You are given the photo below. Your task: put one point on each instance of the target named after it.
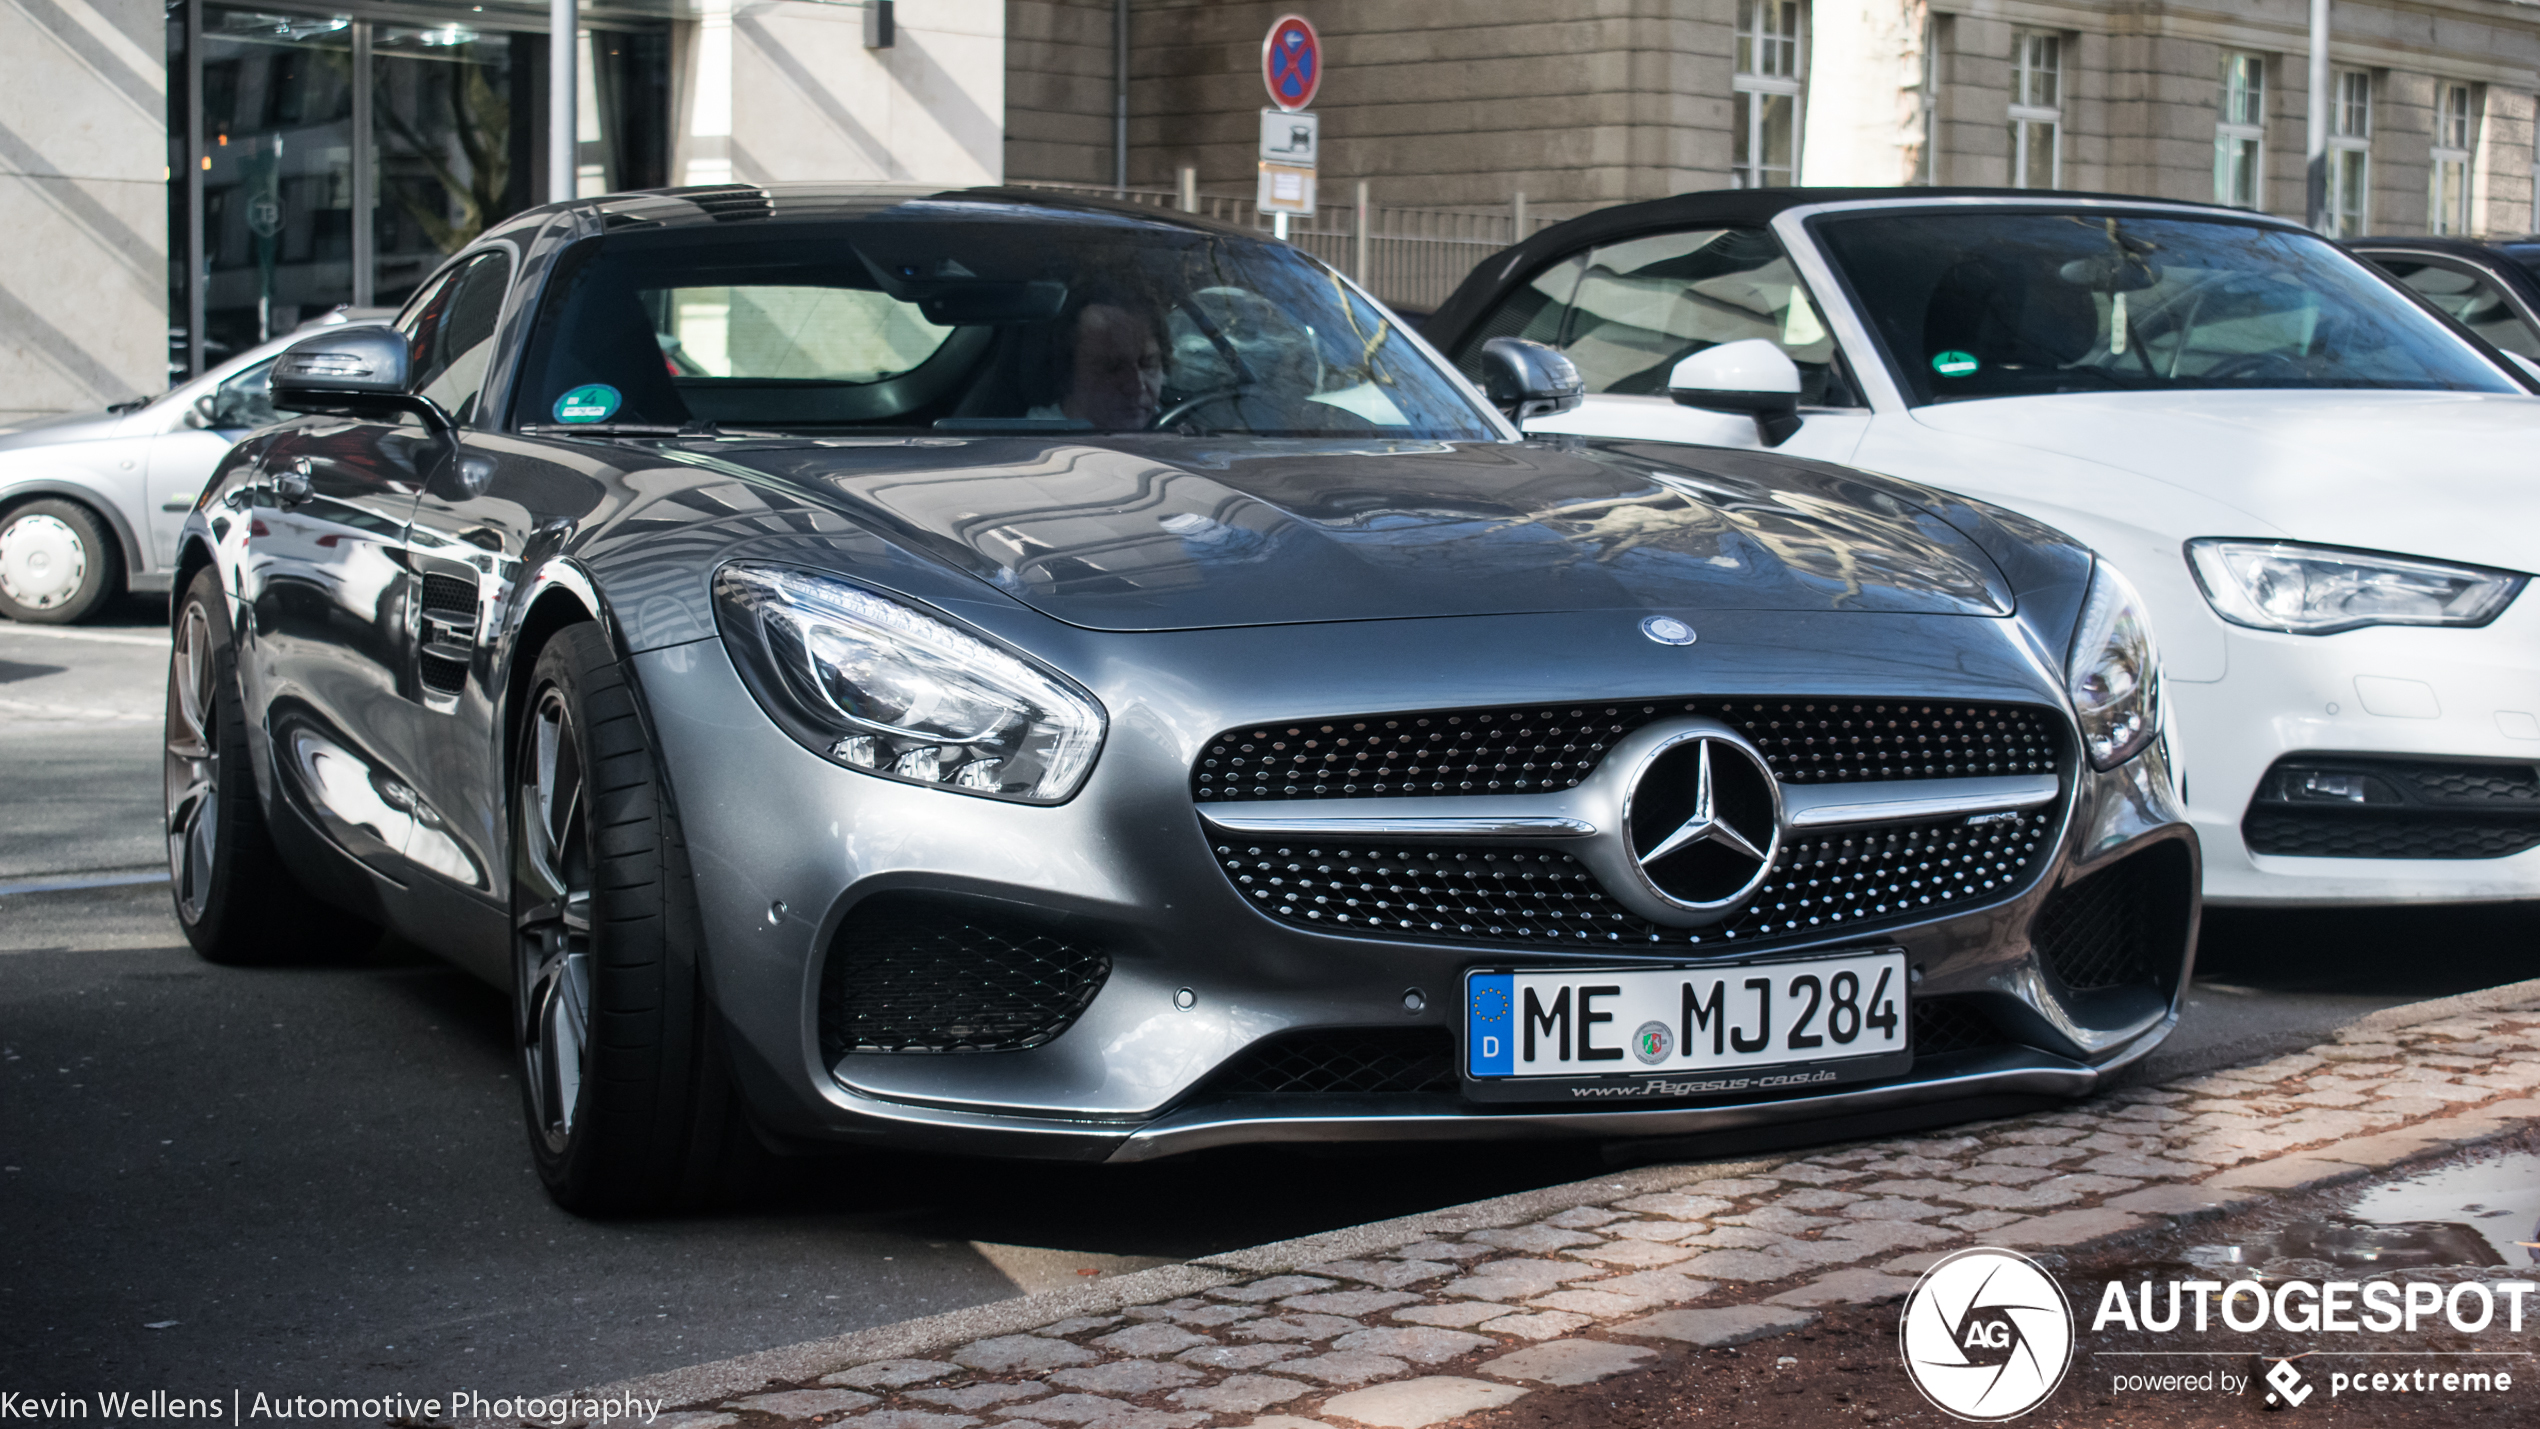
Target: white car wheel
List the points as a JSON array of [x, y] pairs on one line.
[[57, 562]]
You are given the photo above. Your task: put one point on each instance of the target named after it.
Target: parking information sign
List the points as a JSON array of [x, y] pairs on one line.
[[1292, 62], [1288, 143]]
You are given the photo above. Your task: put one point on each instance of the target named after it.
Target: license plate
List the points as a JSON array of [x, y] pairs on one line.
[[1570, 1034]]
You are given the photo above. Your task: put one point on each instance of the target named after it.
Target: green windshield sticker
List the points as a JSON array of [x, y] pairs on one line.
[[595, 403], [1954, 363]]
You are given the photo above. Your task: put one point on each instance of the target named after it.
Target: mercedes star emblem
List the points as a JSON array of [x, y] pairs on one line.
[[1704, 821]]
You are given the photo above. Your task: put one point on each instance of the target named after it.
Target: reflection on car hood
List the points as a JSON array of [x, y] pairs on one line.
[[2446, 475], [1166, 534]]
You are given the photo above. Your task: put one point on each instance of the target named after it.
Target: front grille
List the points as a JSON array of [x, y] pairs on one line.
[[1435, 892], [1339, 1062], [927, 973], [2338, 806], [2123, 925], [1543, 749], [1952, 1024]]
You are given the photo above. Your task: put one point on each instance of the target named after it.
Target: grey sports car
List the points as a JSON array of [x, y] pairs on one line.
[[1045, 678]]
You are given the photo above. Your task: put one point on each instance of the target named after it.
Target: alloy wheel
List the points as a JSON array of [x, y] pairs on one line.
[[551, 902], [193, 763]]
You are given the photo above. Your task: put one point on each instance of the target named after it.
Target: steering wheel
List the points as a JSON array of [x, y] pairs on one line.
[[1179, 410], [2254, 364]]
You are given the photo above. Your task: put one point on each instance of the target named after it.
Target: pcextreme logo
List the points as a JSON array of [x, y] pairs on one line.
[[1987, 1334]]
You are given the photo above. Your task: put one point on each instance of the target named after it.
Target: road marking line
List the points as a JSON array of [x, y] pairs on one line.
[[57, 632], [64, 883], [34, 710]]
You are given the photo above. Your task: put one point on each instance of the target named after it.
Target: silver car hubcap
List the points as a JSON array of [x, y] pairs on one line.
[[193, 764], [42, 561], [552, 899]]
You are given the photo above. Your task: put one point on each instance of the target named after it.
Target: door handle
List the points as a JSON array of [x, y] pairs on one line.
[[293, 487]]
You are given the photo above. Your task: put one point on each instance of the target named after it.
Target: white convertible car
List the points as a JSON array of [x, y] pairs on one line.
[[2328, 498]]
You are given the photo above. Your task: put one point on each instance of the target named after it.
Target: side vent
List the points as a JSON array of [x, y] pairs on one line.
[[448, 643]]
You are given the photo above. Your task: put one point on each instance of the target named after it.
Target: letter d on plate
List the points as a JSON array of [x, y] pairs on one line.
[[1489, 1018]]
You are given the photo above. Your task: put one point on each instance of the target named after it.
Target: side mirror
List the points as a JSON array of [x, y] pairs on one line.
[[1527, 379], [1750, 375], [354, 371], [204, 415]]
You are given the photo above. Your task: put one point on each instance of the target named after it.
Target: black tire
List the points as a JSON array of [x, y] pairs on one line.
[[235, 900], [623, 1081], [58, 562]]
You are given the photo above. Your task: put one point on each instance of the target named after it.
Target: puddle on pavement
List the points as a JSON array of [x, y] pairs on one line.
[[2483, 1212]]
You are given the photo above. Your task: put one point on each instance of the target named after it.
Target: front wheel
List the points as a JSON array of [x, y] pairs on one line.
[[622, 1085], [58, 562]]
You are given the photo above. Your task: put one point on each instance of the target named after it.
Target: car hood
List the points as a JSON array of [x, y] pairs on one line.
[[2446, 475], [69, 427], [1179, 533]]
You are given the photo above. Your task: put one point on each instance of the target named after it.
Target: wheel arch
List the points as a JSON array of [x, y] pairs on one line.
[[128, 546]]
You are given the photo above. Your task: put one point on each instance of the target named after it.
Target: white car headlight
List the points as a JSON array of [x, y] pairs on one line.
[[2320, 590], [2113, 673], [875, 685]]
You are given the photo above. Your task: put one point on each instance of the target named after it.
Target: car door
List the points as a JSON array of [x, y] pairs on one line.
[[1627, 312], [182, 457], [481, 524], [2467, 294], [329, 591]]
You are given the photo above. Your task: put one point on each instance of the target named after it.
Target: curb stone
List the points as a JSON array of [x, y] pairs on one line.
[[1626, 1254]]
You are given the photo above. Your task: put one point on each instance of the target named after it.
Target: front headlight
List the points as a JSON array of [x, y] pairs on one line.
[[2320, 590], [875, 685], [2113, 673]]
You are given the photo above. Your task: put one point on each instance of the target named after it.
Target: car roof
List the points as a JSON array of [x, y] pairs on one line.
[[703, 206], [2429, 244]]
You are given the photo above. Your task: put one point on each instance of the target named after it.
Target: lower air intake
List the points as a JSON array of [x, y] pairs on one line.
[[1943, 1025], [2123, 925], [927, 973], [1340, 1063]]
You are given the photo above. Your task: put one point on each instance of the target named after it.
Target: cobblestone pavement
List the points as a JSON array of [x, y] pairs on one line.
[[1413, 1322]]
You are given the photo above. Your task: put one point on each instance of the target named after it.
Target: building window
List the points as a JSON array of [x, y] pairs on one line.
[[2455, 136], [2350, 155], [2037, 110], [1765, 126], [2240, 136]]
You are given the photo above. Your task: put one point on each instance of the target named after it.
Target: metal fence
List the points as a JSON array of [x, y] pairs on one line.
[[1411, 258]]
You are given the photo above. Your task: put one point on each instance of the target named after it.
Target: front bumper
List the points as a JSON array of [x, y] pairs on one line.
[[786, 847], [2380, 693]]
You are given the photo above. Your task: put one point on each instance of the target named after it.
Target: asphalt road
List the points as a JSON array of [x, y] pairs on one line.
[[311, 1179]]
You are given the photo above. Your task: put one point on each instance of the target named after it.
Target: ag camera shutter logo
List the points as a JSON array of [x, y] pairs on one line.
[[1987, 1334]]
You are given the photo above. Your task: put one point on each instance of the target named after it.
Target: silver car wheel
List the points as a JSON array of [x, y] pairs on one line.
[[42, 560], [193, 764], [551, 900]]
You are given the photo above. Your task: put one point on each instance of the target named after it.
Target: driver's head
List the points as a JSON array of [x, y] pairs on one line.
[[1110, 360]]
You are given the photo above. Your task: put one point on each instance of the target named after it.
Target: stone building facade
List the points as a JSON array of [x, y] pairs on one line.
[[1582, 103]]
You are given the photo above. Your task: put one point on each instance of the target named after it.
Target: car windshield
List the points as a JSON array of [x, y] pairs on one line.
[[962, 318], [1991, 304]]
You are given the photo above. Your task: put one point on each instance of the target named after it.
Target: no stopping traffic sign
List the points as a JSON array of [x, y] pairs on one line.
[[1292, 62]]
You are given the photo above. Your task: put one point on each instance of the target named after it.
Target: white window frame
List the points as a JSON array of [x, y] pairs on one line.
[[2350, 151], [2240, 133], [2037, 55], [2452, 157], [1768, 62]]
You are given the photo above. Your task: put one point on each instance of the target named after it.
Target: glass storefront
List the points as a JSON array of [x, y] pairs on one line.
[[336, 157]]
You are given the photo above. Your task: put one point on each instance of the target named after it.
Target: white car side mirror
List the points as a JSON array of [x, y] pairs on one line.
[[1751, 375]]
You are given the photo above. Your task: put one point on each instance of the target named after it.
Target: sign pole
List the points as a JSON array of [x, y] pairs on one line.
[[564, 154]]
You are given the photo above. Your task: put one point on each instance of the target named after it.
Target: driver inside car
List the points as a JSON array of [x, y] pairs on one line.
[[1107, 366]]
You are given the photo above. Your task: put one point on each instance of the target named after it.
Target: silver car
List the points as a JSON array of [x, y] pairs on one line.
[[91, 502]]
